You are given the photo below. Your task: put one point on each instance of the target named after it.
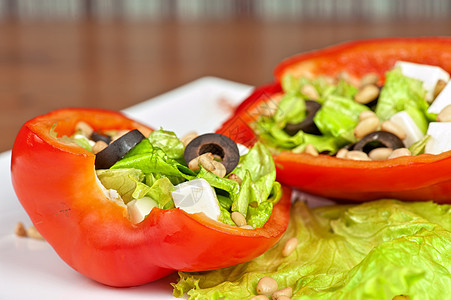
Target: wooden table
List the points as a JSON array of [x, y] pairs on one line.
[[49, 64]]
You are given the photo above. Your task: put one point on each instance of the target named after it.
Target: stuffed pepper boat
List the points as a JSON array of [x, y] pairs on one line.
[[360, 121], [119, 203]]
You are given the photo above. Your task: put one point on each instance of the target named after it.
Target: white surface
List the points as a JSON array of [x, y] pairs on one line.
[[443, 99], [196, 196], [440, 140], [30, 269], [405, 122], [426, 73]]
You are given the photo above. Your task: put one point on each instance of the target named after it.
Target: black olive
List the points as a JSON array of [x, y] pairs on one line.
[[95, 136], [307, 125], [214, 143], [117, 149], [378, 139]]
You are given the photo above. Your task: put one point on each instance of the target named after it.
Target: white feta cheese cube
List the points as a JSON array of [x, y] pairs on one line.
[[243, 150], [197, 196], [138, 209], [440, 140], [443, 99], [429, 75], [405, 122]]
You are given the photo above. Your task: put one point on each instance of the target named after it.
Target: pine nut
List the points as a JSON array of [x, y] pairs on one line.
[[260, 297], [84, 128], [238, 218], [380, 153], [310, 149], [366, 114], [344, 76], [283, 297], [219, 168], [400, 152], [266, 286], [357, 155], [20, 230], [236, 178], [99, 146], [370, 78], [445, 114], [269, 108], [310, 92], [194, 163], [365, 127], [186, 139], [34, 233], [367, 94], [286, 292], [439, 87], [289, 247], [393, 128], [246, 227], [342, 153]]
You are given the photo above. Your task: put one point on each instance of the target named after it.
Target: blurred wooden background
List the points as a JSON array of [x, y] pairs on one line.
[[113, 53]]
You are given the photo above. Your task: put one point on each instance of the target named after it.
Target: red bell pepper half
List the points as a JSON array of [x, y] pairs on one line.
[[56, 184], [419, 178]]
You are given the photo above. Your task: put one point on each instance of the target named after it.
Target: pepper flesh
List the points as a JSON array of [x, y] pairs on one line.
[[419, 178], [56, 184]]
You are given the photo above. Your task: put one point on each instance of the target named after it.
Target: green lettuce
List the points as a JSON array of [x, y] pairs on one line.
[[168, 142], [402, 93], [124, 181], [375, 250], [338, 117]]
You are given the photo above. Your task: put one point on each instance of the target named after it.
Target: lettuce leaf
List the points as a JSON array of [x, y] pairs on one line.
[[403, 93], [338, 117], [375, 250], [168, 142], [124, 181]]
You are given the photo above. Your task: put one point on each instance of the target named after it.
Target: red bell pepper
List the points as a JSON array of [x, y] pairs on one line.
[[422, 177], [56, 184]]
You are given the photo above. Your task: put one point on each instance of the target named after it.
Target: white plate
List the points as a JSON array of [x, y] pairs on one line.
[[30, 269]]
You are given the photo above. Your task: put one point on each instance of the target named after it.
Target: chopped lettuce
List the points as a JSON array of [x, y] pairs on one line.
[[375, 250], [168, 142], [403, 93], [338, 117], [291, 109], [124, 181], [419, 146]]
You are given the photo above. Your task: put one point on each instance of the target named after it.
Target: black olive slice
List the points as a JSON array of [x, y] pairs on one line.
[[378, 139], [214, 143], [95, 136], [307, 125], [117, 149]]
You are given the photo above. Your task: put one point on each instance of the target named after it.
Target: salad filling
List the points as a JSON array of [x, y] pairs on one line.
[[203, 174], [407, 115]]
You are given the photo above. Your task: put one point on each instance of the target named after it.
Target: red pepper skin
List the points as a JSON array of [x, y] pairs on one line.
[[56, 185], [419, 178]]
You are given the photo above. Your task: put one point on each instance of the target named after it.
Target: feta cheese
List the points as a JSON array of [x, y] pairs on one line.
[[197, 196], [440, 140], [443, 99], [429, 75], [405, 122], [243, 150], [138, 209]]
